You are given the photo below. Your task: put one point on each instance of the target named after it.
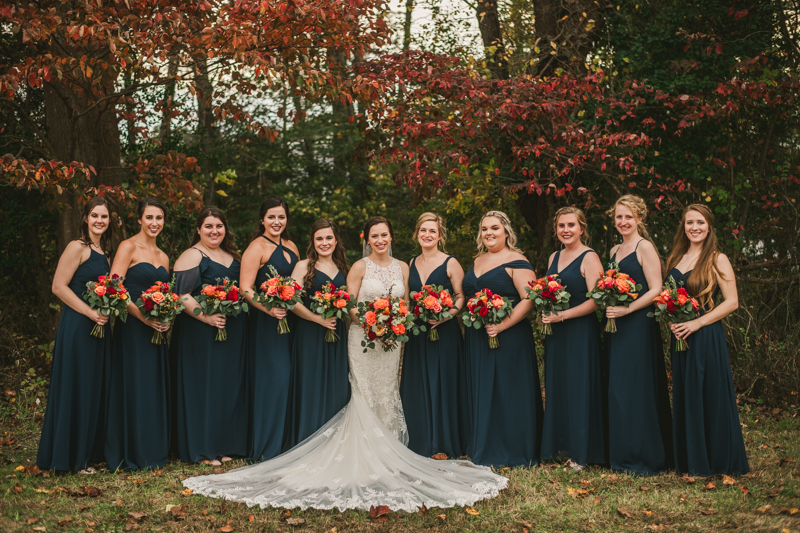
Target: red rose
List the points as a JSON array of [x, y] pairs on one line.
[[114, 276], [371, 335], [111, 291], [671, 306], [683, 291], [547, 295], [233, 295], [483, 311], [148, 305]]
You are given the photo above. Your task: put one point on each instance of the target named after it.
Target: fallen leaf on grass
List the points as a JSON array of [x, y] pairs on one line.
[[187, 492], [138, 481], [40, 528], [226, 529], [745, 490], [85, 508], [92, 492], [32, 520], [625, 512], [223, 509], [295, 521], [644, 489], [379, 513], [88, 472], [157, 473], [20, 468], [648, 513], [710, 486], [251, 518], [687, 479], [790, 510], [131, 524], [286, 513], [90, 524], [64, 520], [708, 511], [471, 511], [655, 527], [16, 488], [178, 512], [137, 515], [613, 478], [764, 508], [578, 493], [785, 460], [42, 490], [439, 456], [423, 510], [728, 480], [441, 517], [118, 503], [599, 499], [332, 530]]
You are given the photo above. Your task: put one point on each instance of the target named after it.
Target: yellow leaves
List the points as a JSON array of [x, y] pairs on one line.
[[579, 493], [187, 492], [471, 511], [764, 508], [439, 456], [728, 480]]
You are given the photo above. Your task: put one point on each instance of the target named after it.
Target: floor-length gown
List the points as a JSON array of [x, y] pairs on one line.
[[573, 415], [72, 434], [433, 387], [640, 422], [211, 409], [504, 390], [137, 415], [319, 384], [706, 428], [359, 458], [269, 363]]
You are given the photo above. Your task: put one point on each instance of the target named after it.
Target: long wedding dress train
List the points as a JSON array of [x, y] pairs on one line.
[[359, 458]]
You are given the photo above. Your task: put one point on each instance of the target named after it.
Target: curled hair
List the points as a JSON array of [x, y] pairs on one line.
[[511, 236], [374, 221], [702, 283], [339, 256], [639, 209], [268, 203], [431, 217], [569, 210], [83, 234], [227, 244], [150, 202]]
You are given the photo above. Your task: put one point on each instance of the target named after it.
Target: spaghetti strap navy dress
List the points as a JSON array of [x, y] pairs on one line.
[[433, 387], [211, 411], [573, 416], [319, 387], [137, 415], [503, 383], [269, 364], [640, 422], [706, 427], [72, 435]]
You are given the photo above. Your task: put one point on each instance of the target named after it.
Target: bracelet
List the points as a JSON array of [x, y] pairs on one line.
[[562, 317]]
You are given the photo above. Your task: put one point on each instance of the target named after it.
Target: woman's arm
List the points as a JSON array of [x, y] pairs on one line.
[[521, 277], [190, 259], [648, 258], [456, 275], [252, 260], [354, 278], [728, 287], [68, 263]]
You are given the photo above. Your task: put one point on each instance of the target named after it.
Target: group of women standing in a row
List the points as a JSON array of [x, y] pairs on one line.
[[128, 401]]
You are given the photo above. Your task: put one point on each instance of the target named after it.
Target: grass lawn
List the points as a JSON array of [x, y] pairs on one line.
[[543, 498]]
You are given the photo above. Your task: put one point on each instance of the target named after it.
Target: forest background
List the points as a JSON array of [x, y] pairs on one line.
[[356, 108]]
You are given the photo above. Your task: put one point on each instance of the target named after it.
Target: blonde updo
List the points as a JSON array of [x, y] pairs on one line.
[[581, 221], [432, 217], [511, 236]]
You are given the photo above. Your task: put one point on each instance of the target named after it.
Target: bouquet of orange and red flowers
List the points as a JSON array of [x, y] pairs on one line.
[[614, 288], [109, 296], [281, 292], [548, 297], [675, 303], [385, 319], [331, 302], [433, 302], [224, 299], [160, 303], [487, 308]]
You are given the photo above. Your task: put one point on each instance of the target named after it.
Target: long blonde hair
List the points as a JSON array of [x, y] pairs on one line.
[[639, 209], [569, 210], [431, 217], [511, 236], [702, 282]]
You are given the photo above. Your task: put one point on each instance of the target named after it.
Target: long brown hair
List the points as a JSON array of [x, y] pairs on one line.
[[702, 283], [339, 257], [569, 210], [268, 203], [227, 244], [639, 209], [106, 238]]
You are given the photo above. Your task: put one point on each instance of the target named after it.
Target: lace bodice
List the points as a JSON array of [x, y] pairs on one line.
[[375, 372]]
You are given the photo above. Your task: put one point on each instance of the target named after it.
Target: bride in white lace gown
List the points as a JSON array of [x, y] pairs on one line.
[[359, 458]]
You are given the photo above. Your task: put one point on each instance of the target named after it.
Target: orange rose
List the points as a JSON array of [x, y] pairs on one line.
[[221, 295], [429, 302], [339, 304], [380, 330], [448, 302], [287, 292], [122, 296], [382, 303], [371, 318], [175, 297], [682, 299], [622, 286], [208, 290], [437, 308], [399, 329], [157, 297], [623, 275], [610, 273], [272, 282], [328, 295], [272, 290], [403, 309], [553, 286], [100, 290]]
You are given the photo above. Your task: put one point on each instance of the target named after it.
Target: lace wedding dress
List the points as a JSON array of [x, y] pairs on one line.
[[359, 458]]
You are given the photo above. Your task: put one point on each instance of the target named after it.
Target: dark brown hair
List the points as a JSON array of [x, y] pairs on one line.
[[150, 202], [702, 282], [339, 257], [106, 238], [374, 221], [268, 203], [227, 241]]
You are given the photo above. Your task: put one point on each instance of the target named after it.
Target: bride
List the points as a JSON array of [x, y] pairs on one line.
[[359, 458]]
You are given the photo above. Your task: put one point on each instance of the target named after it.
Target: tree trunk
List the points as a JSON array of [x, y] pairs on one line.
[[207, 130], [165, 130], [546, 14], [407, 25], [492, 36], [309, 154]]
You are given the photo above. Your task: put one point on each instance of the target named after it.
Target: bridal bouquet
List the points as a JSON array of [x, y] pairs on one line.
[[223, 299], [676, 304], [331, 302], [612, 289], [487, 308], [109, 296], [282, 292], [160, 303], [548, 297], [385, 319], [432, 303]]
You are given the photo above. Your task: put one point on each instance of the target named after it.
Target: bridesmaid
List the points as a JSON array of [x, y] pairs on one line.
[[211, 409], [433, 385], [137, 417], [505, 395], [707, 432], [640, 422], [72, 436], [268, 352], [319, 384], [573, 418]]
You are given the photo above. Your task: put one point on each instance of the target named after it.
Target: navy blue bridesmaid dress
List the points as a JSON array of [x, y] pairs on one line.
[[707, 432], [137, 413], [505, 397], [319, 387], [573, 416], [269, 364], [433, 385], [72, 435], [640, 422], [211, 412]]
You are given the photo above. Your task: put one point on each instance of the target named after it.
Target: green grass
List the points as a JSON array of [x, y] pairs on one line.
[[542, 499]]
